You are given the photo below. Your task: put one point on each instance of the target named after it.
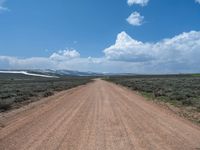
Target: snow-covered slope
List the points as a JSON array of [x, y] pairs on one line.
[[67, 73], [29, 74], [48, 73]]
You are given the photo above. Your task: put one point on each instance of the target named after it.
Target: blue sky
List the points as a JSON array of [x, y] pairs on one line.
[[81, 35]]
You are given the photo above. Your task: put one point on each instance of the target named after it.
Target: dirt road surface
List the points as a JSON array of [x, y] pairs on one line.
[[98, 116]]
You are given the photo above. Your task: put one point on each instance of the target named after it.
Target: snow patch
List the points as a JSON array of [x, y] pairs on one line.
[[29, 74]]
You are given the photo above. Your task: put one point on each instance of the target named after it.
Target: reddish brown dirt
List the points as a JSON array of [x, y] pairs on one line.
[[100, 116]]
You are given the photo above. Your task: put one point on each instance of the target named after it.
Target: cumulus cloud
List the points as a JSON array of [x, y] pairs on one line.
[[178, 53], [2, 8], [63, 59], [128, 49], [198, 1], [135, 19], [65, 55], [177, 48], [81, 64], [7, 62], [138, 2]]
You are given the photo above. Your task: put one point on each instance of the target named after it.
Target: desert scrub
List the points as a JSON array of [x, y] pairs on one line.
[[48, 93], [6, 104], [179, 90], [17, 90]]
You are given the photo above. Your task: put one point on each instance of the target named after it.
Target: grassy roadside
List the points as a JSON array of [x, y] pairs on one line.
[[181, 93], [17, 90]]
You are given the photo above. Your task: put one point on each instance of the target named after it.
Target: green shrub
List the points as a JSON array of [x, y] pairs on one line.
[[26, 88], [48, 93], [180, 90], [158, 93], [6, 104], [187, 102]]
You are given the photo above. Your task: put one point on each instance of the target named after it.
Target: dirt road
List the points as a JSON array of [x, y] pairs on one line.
[[100, 116]]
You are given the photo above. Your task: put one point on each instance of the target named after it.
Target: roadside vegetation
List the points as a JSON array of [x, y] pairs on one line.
[[17, 90], [182, 91]]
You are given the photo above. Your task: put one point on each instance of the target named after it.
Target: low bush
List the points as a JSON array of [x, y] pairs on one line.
[[177, 89], [6, 104], [187, 102], [48, 93], [22, 89]]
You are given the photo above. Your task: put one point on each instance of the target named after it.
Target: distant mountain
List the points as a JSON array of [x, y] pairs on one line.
[[65, 72], [27, 73], [51, 73], [69, 73]]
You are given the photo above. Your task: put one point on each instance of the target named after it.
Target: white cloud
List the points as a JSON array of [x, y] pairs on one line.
[[7, 62], [81, 64], [179, 54], [2, 8], [128, 49], [198, 1], [65, 55], [138, 2], [135, 19], [177, 48]]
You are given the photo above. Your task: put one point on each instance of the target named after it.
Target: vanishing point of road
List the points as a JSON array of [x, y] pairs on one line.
[[97, 116]]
